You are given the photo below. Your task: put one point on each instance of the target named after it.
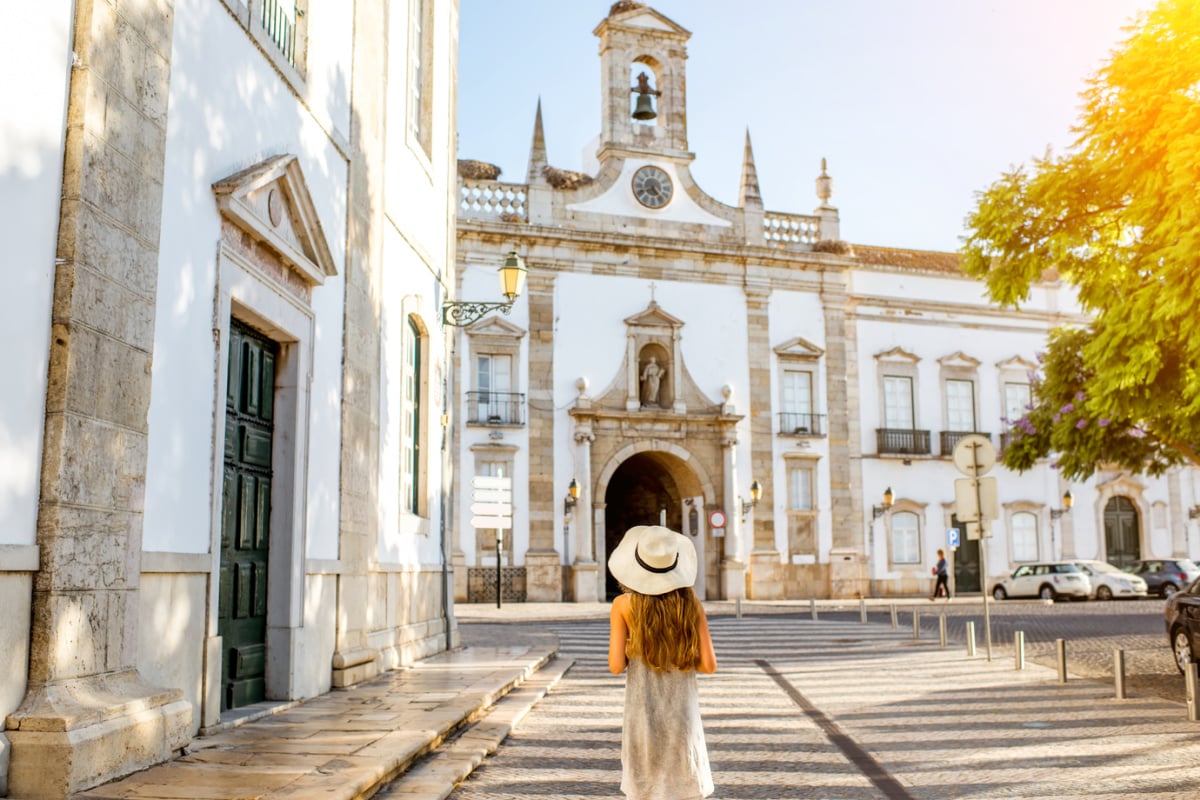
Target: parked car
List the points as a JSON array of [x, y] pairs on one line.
[[1048, 581], [1109, 582], [1182, 615], [1167, 576]]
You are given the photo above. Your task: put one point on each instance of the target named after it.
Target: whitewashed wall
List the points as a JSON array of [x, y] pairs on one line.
[[219, 122]]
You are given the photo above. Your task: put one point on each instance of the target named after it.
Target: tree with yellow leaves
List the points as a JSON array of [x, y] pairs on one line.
[[1118, 217]]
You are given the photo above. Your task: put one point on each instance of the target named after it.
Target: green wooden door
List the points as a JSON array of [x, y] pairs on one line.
[[245, 517], [1121, 536], [966, 561]]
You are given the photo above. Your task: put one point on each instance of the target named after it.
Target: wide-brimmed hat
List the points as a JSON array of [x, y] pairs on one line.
[[652, 559]]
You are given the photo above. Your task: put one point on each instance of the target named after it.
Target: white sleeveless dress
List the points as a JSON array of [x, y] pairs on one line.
[[663, 755]]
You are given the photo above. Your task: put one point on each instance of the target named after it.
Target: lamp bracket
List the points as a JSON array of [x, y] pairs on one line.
[[460, 313]]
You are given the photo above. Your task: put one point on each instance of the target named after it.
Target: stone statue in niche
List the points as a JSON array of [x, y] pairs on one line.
[[652, 375]]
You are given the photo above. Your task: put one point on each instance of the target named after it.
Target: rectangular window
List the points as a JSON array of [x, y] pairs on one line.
[[906, 538], [897, 402], [493, 381], [800, 489], [410, 458], [1016, 401], [485, 538], [797, 392], [960, 406], [1024, 537], [420, 30]]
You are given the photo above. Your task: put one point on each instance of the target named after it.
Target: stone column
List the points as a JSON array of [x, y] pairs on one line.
[[733, 569], [585, 572], [766, 571], [842, 406], [87, 716], [354, 660], [543, 567]]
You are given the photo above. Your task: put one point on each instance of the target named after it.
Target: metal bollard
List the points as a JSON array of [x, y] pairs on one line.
[[1060, 647], [916, 624], [812, 608], [894, 623], [971, 639], [739, 608], [942, 630], [862, 610], [1019, 650], [1119, 673], [1192, 681]]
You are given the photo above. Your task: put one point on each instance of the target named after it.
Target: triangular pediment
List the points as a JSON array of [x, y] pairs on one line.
[[1123, 484], [495, 326], [271, 202], [654, 317], [1016, 363], [959, 360], [799, 349], [645, 18], [898, 354]]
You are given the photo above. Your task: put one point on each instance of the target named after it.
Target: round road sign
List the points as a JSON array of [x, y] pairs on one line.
[[974, 455]]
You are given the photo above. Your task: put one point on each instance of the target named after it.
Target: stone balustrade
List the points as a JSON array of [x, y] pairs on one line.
[[789, 229], [480, 199]]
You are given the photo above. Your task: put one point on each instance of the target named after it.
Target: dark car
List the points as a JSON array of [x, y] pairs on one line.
[[1165, 576], [1182, 615]]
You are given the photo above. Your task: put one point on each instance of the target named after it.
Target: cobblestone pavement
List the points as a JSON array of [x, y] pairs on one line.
[[840, 710]]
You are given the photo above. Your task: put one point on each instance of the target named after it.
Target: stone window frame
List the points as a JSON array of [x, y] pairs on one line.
[[809, 463], [418, 83], [494, 336], [1010, 520], [898, 363], [959, 367], [801, 355], [918, 511], [414, 322], [248, 13], [485, 547], [1015, 370]]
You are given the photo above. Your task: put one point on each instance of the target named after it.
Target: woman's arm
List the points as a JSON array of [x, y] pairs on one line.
[[618, 634], [708, 657]]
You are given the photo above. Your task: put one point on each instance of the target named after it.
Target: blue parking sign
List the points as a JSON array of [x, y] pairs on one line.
[[952, 537]]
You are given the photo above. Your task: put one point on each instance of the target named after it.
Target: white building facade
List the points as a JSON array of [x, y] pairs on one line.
[[223, 472], [673, 353]]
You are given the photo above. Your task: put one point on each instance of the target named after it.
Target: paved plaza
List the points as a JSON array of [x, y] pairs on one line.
[[838, 709]]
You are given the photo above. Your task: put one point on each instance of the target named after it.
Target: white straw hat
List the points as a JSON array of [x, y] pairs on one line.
[[652, 559]]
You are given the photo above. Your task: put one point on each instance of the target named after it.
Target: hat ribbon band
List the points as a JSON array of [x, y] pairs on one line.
[[658, 570]]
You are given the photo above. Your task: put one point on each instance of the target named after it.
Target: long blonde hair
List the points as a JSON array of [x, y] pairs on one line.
[[664, 629]]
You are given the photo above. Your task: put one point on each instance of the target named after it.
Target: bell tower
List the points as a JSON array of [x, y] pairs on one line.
[[644, 90]]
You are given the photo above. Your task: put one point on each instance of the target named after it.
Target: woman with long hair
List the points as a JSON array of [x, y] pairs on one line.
[[660, 634]]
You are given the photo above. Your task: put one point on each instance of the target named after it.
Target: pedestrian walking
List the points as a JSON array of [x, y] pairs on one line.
[[942, 587], [658, 632]]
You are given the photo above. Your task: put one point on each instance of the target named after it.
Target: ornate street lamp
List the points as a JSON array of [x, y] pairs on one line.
[[459, 313]]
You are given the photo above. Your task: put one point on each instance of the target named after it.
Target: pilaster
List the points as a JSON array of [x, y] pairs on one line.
[[543, 569], [87, 716], [354, 659], [842, 406]]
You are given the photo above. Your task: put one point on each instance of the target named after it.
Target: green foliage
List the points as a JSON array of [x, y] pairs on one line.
[[1117, 217]]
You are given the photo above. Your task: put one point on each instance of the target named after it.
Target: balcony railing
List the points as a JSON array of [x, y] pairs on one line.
[[495, 408], [899, 441], [785, 229], [796, 424], [480, 199], [950, 438]]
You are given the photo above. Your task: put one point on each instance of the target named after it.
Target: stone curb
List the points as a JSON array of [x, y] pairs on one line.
[[448, 766]]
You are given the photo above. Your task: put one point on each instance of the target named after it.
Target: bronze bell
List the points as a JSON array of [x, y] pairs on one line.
[[644, 108]]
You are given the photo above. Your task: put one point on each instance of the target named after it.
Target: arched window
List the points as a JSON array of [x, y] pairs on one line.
[[1024, 536], [906, 538]]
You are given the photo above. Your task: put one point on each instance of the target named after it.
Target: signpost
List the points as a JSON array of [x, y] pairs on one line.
[[976, 500], [491, 507]]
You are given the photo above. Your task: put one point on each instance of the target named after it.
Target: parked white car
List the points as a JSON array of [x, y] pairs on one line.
[[1109, 582], [1048, 581]]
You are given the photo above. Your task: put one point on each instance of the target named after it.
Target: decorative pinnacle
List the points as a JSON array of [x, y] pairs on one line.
[[824, 185], [537, 150], [749, 192]]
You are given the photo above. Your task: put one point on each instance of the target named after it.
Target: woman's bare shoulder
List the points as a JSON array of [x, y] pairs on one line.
[[621, 604]]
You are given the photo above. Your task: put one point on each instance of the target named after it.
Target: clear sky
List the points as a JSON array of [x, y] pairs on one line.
[[917, 105]]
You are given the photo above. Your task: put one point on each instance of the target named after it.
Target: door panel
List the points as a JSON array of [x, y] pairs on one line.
[[966, 561], [1121, 535], [245, 517]]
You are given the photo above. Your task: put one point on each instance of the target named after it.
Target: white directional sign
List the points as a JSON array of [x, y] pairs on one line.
[[491, 522], [491, 509], [491, 482], [974, 455], [491, 495]]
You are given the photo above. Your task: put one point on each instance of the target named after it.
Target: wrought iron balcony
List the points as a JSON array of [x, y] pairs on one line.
[[796, 424], [900, 441], [495, 408], [950, 438]]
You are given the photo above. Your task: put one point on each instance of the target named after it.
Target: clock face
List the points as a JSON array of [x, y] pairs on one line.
[[652, 187]]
